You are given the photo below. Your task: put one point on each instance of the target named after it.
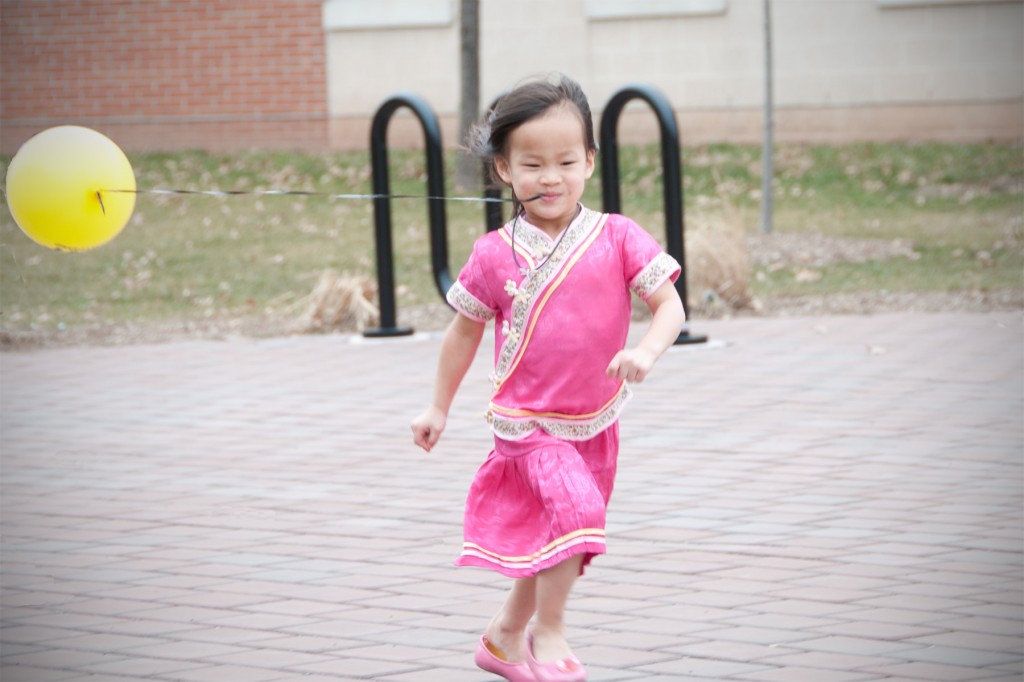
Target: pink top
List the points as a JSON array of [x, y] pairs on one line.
[[561, 322]]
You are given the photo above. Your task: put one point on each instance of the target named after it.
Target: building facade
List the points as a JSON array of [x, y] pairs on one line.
[[309, 74]]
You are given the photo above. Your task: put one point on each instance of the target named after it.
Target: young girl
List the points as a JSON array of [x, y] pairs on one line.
[[556, 279]]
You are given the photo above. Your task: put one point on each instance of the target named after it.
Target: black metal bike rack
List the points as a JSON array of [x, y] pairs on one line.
[[492, 209], [382, 207], [672, 177], [672, 187]]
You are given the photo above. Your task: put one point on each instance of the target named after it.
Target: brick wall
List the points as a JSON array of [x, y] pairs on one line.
[[164, 74]]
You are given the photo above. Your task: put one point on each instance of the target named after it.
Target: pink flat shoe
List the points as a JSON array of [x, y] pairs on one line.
[[513, 672], [563, 670]]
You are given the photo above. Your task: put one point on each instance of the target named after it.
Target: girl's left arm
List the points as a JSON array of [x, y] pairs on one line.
[[634, 364]]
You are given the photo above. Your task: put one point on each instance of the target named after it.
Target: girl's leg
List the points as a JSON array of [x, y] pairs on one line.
[[508, 627], [553, 586]]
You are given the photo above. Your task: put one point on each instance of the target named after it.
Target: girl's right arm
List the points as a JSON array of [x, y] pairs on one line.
[[457, 352]]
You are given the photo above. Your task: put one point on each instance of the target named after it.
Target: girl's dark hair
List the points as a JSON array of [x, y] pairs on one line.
[[527, 101]]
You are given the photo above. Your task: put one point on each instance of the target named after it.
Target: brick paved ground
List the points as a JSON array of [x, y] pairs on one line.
[[821, 500]]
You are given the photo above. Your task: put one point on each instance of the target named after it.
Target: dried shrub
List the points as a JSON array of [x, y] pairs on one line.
[[719, 272], [717, 260], [340, 302]]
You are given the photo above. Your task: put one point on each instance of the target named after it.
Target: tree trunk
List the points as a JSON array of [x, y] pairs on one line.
[[768, 172], [467, 174]]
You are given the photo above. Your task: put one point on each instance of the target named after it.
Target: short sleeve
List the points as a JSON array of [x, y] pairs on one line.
[[646, 266], [470, 295]]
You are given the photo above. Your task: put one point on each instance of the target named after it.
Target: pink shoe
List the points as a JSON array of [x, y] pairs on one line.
[[513, 672], [563, 670]]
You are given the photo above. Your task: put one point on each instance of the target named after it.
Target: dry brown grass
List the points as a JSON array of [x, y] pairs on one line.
[[718, 263], [719, 271], [340, 302]]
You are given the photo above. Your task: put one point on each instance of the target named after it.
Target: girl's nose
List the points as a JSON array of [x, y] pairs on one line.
[[549, 176]]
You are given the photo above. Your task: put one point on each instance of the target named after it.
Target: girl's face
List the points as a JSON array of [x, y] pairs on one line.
[[546, 156]]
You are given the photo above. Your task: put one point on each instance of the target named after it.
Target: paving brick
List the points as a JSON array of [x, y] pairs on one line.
[[361, 668], [730, 651], [933, 672], [268, 622], [661, 626], [617, 657], [792, 673], [861, 646], [756, 635], [23, 634], [223, 635], [140, 667], [10, 672], [642, 641], [782, 621], [218, 673], [971, 640], [830, 660], [422, 637], [725, 600], [876, 630], [960, 656], [274, 659], [186, 651], [994, 626], [702, 667], [805, 511], [803, 607], [148, 628], [61, 658], [898, 616], [104, 642]]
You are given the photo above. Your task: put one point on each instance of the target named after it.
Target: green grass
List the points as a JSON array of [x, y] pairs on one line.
[[193, 257], [939, 268]]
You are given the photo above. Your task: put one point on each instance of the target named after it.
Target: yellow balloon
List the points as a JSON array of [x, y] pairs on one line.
[[58, 188]]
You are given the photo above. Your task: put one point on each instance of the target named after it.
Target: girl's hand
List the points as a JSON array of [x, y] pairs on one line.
[[427, 428], [631, 365], [635, 364]]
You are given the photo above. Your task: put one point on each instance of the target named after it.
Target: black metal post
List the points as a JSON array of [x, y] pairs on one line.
[[672, 178], [382, 207], [492, 210]]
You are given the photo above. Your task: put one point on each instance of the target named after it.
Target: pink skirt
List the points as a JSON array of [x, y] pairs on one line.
[[536, 502]]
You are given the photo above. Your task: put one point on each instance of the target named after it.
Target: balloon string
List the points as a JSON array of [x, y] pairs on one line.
[[302, 193]]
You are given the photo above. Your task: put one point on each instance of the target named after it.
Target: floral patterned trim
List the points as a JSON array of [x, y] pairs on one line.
[[532, 242], [520, 249], [535, 283], [654, 275], [468, 304], [517, 429]]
